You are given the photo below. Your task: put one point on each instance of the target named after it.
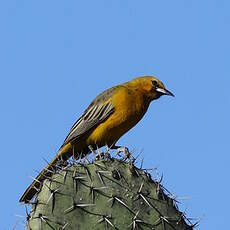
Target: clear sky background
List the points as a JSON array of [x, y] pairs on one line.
[[56, 56]]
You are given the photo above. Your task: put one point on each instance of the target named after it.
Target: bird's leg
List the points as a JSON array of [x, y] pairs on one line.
[[61, 163], [107, 152], [97, 154], [122, 149]]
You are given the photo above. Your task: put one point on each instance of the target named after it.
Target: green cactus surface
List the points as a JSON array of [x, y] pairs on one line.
[[105, 194]]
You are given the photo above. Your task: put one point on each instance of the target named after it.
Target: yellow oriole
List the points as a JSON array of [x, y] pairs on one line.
[[110, 115]]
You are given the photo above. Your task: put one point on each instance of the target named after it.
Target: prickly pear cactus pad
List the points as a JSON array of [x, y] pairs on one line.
[[104, 194]]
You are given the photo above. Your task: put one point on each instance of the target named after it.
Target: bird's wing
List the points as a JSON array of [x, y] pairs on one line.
[[100, 109]]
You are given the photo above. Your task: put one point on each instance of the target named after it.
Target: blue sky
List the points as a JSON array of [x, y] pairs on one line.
[[56, 56]]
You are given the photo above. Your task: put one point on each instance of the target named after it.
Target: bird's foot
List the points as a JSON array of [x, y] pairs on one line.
[[125, 151], [60, 164]]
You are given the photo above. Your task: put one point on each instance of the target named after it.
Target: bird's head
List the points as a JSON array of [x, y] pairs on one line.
[[152, 87]]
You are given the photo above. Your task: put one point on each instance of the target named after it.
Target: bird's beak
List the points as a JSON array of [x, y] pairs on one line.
[[165, 92]]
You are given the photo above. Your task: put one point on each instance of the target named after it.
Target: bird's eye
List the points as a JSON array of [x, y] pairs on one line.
[[154, 82]]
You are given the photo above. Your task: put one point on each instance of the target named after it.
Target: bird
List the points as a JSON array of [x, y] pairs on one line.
[[110, 115]]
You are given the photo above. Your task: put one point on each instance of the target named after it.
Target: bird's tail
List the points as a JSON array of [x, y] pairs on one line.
[[63, 154]]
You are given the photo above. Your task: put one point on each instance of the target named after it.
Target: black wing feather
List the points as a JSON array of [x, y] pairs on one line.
[[97, 112]]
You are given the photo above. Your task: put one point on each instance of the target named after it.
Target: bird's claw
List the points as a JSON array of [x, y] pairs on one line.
[[125, 151]]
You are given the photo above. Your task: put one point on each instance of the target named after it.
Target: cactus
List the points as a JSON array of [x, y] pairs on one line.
[[107, 193]]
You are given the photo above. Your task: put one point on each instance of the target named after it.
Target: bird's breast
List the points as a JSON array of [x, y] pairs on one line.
[[129, 108]]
